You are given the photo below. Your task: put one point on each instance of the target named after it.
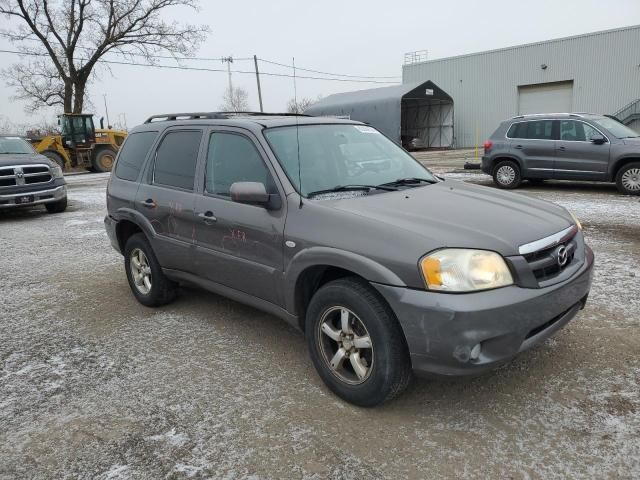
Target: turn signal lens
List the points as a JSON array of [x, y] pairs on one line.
[[462, 270]]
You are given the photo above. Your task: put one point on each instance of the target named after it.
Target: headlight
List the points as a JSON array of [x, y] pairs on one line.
[[461, 270], [575, 219], [56, 171]]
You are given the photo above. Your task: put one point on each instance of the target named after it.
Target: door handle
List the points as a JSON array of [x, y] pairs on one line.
[[149, 203], [208, 216], [518, 147], [562, 148]]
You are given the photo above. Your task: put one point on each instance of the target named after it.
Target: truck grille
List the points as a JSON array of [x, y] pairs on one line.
[[18, 175], [550, 261]]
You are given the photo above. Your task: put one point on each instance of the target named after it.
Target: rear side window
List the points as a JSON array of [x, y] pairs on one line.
[[518, 130], [176, 159], [540, 130], [133, 154]]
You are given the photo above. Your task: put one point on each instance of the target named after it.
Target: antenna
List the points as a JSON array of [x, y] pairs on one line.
[[295, 102]]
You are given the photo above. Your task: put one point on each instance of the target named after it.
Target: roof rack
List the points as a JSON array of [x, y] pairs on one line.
[[172, 117], [547, 115]]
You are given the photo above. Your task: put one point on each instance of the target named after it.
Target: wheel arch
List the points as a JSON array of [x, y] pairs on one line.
[[621, 162], [129, 223], [502, 158]]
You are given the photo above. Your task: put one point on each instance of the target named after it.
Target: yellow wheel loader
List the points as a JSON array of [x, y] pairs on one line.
[[80, 144]]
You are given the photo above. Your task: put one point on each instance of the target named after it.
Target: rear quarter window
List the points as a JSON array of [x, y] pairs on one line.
[[517, 130], [133, 154]]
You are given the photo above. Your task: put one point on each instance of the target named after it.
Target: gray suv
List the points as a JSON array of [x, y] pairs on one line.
[[569, 146], [328, 224]]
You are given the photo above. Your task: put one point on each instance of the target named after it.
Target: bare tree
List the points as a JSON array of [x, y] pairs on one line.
[[64, 41], [301, 105], [235, 100]]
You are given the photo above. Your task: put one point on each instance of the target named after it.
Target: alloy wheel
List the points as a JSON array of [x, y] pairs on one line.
[[631, 180], [140, 271], [506, 175], [345, 345]]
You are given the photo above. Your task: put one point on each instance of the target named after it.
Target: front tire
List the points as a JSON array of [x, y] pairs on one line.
[[628, 179], [56, 207], [506, 174], [356, 343], [149, 285]]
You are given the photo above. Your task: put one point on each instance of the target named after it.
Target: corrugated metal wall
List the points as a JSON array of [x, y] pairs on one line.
[[604, 67]]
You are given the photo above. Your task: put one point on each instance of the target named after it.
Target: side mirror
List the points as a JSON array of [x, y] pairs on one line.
[[254, 193], [597, 139]]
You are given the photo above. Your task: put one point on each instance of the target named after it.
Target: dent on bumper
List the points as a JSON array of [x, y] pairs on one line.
[[39, 197], [442, 329]]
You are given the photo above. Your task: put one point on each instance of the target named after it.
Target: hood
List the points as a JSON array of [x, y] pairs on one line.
[[7, 159], [457, 214], [632, 141]]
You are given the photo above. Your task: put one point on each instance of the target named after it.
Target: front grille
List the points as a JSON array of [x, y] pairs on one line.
[[17, 175], [544, 263]]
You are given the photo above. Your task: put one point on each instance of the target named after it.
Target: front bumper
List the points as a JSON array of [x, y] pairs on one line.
[[12, 200], [442, 329]]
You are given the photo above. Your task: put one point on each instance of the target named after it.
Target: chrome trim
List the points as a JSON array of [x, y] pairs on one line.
[[547, 242], [524, 120], [563, 170], [19, 175], [58, 193]]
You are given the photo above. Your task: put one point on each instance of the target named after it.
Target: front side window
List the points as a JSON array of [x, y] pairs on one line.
[[16, 146], [322, 157], [572, 131], [540, 130], [176, 159], [133, 154], [233, 158]]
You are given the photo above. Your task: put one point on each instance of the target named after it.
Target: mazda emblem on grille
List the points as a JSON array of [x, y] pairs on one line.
[[561, 255]]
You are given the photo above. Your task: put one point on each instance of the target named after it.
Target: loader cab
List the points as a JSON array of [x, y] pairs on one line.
[[77, 130]]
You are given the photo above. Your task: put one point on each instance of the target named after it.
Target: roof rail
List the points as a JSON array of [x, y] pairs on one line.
[[172, 117]]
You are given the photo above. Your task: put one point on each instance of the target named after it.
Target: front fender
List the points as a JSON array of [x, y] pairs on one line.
[[334, 257]]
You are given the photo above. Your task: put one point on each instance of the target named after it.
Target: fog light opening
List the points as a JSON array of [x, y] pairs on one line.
[[475, 352]]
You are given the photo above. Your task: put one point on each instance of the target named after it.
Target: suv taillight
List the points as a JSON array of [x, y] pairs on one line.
[[487, 146]]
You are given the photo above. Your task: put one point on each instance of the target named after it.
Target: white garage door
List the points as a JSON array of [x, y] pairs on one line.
[[554, 97]]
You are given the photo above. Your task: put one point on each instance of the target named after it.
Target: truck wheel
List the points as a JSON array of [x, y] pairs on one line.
[[103, 160], [54, 157], [356, 343], [148, 284], [628, 179], [57, 207], [506, 174]]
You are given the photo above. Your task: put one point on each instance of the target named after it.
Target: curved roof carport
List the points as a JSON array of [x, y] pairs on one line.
[[403, 112]]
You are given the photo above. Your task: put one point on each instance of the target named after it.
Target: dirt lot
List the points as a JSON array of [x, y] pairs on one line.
[[92, 384]]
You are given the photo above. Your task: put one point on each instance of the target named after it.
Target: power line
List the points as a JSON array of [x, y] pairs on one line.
[[215, 59], [325, 73], [205, 69]]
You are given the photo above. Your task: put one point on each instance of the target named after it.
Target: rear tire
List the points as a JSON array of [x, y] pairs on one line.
[[506, 174], [363, 375], [54, 157], [57, 207], [628, 179], [103, 160], [149, 285]]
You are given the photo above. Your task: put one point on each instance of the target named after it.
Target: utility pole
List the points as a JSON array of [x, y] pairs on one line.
[[229, 61], [104, 95], [255, 61]]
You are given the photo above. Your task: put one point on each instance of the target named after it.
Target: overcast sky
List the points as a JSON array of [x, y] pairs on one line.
[[344, 36]]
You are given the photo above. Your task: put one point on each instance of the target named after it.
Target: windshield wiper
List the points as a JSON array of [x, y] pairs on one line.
[[354, 187], [409, 181]]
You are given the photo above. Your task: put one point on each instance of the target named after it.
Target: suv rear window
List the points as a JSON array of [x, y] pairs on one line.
[[176, 159], [133, 154]]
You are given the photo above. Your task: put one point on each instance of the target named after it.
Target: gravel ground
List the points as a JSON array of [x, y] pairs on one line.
[[92, 384]]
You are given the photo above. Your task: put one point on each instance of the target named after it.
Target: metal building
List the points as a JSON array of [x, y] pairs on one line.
[[402, 112], [597, 72]]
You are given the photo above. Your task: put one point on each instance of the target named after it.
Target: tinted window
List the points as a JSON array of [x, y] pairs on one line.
[[573, 131], [133, 154], [176, 159], [15, 145], [589, 131], [518, 130], [540, 130], [234, 158]]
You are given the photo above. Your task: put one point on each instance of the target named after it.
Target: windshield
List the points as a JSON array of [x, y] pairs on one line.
[[15, 145], [338, 155], [616, 128]]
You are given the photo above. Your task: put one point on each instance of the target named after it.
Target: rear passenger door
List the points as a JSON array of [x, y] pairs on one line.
[[167, 196], [577, 157], [533, 142], [239, 245]]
